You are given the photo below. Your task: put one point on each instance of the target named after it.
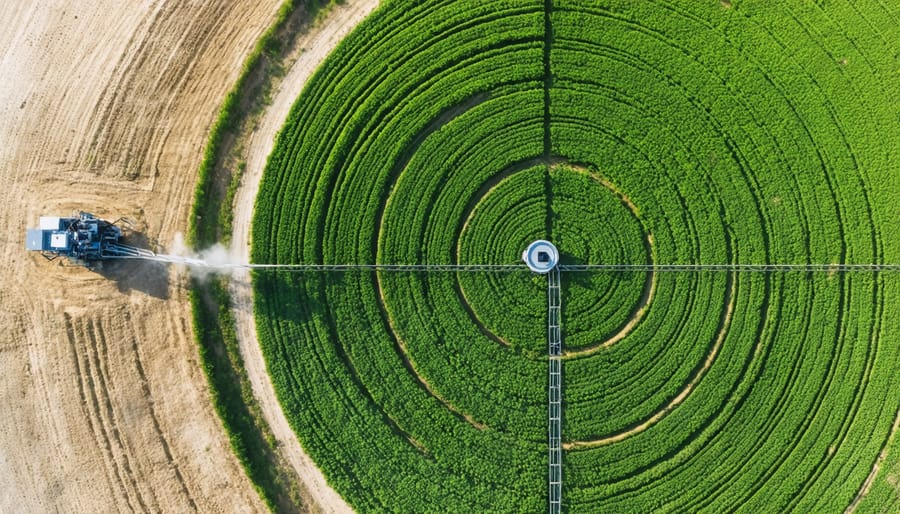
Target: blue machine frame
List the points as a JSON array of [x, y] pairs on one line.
[[84, 239]]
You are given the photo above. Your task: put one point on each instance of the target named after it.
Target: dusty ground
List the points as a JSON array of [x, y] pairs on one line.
[[105, 106], [316, 45]]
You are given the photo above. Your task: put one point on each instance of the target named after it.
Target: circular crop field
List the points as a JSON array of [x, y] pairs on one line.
[[456, 132]]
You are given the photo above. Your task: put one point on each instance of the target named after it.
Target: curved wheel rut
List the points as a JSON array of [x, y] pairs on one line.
[[318, 43]]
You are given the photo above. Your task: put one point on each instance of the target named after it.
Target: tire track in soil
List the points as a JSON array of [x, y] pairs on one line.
[[111, 480], [91, 391], [147, 393], [90, 354], [138, 143], [97, 338], [124, 70]]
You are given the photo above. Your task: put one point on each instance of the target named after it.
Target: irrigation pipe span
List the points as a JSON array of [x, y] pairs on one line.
[[729, 267]]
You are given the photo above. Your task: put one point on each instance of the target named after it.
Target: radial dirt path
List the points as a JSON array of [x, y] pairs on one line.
[[105, 106], [317, 44]]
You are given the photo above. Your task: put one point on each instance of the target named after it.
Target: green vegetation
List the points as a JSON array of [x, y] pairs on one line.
[[217, 182], [250, 438], [586, 218], [214, 329], [633, 132]]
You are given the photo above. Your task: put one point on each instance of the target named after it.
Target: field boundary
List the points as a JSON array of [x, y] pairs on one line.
[[219, 176]]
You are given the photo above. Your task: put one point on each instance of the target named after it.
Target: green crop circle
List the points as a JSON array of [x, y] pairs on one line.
[[711, 132], [590, 223]]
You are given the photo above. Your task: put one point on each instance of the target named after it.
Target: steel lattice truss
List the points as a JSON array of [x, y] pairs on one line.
[[554, 391], [729, 267], [554, 339]]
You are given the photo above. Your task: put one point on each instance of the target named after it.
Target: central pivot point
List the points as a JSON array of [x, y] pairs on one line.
[[541, 256]]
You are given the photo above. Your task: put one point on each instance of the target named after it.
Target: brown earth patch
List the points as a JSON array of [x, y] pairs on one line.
[[105, 106]]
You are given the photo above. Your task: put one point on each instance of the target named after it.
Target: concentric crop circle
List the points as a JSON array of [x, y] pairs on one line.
[[592, 222], [623, 132]]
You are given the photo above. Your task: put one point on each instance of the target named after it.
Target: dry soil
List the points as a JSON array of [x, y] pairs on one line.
[[105, 106]]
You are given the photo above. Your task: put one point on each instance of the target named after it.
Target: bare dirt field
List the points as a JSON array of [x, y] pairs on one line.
[[105, 106]]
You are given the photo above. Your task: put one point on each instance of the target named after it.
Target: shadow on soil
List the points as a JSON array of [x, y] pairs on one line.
[[148, 277]]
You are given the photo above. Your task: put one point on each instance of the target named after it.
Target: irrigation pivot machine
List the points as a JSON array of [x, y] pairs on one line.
[[87, 240], [543, 257]]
